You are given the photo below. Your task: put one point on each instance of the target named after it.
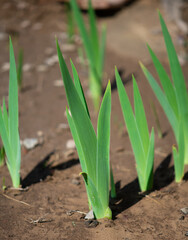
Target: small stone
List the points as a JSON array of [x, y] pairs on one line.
[[29, 143], [186, 234], [27, 67], [25, 24], [40, 133], [41, 68], [63, 126], [89, 215], [5, 67], [22, 5], [91, 223], [184, 210], [52, 60], [182, 218], [68, 47], [75, 181], [3, 36], [70, 144], [58, 83]]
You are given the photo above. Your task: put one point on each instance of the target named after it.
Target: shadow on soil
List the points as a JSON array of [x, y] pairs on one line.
[[43, 169], [129, 194], [124, 79]]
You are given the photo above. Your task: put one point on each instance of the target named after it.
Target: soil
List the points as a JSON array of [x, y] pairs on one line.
[[53, 200]]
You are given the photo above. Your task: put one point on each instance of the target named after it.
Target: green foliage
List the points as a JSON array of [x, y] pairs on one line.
[[94, 48], [2, 156], [142, 144], [159, 131], [9, 125], [20, 69], [93, 150], [173, 99]]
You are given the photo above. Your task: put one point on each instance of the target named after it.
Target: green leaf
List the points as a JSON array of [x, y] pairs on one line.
[[5, 117], [137, 128], [165, 82], [97, 206], [140, 117], [5, 138], [176, 71], [77, 141], [130, 123], [13, 103], [149, 163], [93, 30], [113, 187], [19, 69], [83, 32], [81, 119], [102, 54], [162, 99], [79, 87], [179, 156], [103, 148]]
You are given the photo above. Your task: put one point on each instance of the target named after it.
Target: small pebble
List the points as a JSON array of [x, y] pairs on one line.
[[40, 133], [27, 67], [184, 210], [29, 143], [91, 223], [68, 47], [41, 68], [58, 83], [3, 36], [5, 67], [63, 126], [182, 218], [89, 215], [25, 24], [70, 144], [186, 234], [75, 181], [22, 5], [52, 60]]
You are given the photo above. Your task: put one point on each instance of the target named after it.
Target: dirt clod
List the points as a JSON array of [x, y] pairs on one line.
[[91, 223]]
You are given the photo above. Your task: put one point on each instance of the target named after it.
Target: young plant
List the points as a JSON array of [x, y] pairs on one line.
[[93, 150], [9, 125], [173, 99], [94, 49], [142, 143]]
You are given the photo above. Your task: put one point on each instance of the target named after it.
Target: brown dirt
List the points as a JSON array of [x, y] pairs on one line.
[[51, 177]]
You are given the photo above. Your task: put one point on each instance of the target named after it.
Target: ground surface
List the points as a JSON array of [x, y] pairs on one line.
[[50, 172]]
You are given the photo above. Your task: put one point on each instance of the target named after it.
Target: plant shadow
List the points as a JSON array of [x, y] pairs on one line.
[[42, 170], [129, 195], [125, 80]]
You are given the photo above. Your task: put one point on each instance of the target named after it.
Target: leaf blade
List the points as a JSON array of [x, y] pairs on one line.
[[103, 148], [80, 117]]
